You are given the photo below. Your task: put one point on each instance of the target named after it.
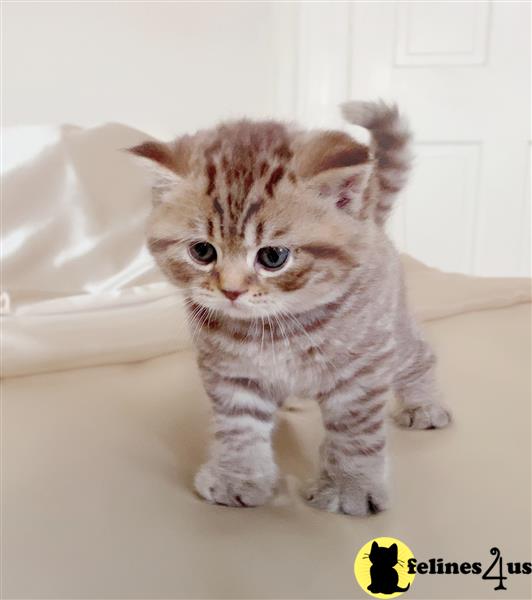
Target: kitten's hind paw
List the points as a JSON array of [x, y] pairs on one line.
[[350, 497], [428, 416]]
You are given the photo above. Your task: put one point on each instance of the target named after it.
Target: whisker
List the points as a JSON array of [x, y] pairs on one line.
[[331, 367], [262, 336], [274, 360]]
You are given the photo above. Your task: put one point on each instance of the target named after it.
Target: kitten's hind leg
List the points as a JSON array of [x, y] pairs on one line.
[[415, 387]]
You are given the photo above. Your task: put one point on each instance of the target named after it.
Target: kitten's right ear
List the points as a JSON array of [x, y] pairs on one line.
[[168, 163], [336, 167], [374, 546]]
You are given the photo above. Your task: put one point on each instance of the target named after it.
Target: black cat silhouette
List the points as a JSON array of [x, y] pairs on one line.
[[384, 577]]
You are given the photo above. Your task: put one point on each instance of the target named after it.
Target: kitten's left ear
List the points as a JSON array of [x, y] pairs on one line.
[[167, 163], [393, 548], [336, 166]]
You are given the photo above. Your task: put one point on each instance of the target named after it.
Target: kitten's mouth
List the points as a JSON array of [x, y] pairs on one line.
[[237, 309], [231, 308]]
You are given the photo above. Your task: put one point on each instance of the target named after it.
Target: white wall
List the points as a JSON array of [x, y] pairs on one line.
[[171, 67], [160, 67]]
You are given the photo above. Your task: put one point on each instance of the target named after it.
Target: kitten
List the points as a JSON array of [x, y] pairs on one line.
[[384, 577], [275, 236]]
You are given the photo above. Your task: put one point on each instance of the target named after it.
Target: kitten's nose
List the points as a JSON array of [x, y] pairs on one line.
[[232, 294]]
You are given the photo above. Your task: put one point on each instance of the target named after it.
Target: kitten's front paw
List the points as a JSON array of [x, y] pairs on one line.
[[351, 496], [429, 416], [219, 486]]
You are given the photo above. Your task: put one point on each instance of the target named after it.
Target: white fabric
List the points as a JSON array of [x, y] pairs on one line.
[[78, 284]]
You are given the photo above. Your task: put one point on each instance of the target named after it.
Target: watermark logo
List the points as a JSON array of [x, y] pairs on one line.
[[381, 567], [385, 567]]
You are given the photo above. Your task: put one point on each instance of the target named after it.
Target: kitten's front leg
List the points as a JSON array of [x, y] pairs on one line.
[[353, 461], [241, 470]]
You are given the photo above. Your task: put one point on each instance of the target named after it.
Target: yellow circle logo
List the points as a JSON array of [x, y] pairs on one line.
[[381, 567]]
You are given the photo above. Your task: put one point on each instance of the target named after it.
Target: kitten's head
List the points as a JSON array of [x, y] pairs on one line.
[[383, 556], [253, 219]]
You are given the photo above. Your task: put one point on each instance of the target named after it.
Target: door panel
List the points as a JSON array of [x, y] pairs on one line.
[[461, 71]]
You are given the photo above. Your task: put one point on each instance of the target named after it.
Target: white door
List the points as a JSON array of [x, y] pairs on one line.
[[461, 72]]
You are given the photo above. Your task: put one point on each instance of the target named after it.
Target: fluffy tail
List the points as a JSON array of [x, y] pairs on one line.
[[391, 146], [399, 589]]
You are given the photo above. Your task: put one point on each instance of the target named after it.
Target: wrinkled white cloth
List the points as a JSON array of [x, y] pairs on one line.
[[78, 284], [79, 287]]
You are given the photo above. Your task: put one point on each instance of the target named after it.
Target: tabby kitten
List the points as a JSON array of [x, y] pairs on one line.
[[276, 237]]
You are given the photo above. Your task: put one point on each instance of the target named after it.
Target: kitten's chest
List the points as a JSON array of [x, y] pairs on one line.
[[300, 361], [293, 366]]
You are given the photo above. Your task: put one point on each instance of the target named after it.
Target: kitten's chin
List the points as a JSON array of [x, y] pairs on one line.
[[242, 312]]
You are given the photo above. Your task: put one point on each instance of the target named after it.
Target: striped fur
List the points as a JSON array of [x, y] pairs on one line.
[[332, 325]]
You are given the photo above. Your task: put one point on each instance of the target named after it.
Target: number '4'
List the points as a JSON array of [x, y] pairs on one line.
[[497, 560]]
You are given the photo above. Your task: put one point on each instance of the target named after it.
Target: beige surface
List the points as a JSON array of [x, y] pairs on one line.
[[98, 465]]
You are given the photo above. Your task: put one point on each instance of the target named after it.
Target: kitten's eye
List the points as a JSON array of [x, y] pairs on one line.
[[272, 257], [203, 252]]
